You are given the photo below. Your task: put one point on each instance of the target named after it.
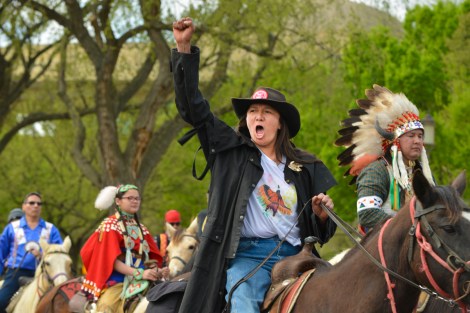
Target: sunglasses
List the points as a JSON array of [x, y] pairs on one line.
[[34, 202], [175, 224]]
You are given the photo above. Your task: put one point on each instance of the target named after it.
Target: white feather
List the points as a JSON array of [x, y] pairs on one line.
[[402, 177], [106, 198], [426, 168]]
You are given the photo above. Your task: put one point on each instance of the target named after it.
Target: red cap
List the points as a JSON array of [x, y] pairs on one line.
[[172, 216]]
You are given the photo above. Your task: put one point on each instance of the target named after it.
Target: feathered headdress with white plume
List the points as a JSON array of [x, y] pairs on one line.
[[105, 198], [374, 127]]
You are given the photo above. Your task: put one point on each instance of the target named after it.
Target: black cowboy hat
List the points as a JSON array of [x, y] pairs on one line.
[[274, 98]]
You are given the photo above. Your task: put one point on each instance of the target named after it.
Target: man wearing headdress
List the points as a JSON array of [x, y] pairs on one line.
[[385, 145]]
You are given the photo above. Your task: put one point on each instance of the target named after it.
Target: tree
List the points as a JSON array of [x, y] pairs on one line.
[[414, 64], [143, 97], [22, 63], [451, 152], [111, 76]]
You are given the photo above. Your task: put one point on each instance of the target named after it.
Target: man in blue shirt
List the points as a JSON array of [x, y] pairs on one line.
[[19, 246]]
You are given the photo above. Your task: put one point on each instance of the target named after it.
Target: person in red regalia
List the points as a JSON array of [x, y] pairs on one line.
[[121, 256]]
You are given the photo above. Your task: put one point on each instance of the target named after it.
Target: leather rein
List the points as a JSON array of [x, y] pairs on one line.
[[457, 264]]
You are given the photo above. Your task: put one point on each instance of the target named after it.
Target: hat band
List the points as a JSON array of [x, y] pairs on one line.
[[409, 126]]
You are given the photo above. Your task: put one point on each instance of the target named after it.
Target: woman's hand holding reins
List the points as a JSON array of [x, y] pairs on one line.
[[318, 210]]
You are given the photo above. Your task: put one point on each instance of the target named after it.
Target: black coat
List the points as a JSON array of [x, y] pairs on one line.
[[235, 171]]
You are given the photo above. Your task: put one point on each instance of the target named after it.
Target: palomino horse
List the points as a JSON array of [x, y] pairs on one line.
[[182, 248], [54, 268], [426, 245], [183, 245]]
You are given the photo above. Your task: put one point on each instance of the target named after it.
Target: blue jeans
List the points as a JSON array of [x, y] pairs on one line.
[[11, 285], [249, 296]]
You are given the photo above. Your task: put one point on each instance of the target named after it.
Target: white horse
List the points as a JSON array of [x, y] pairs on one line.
[[54, 269], [182, 247]]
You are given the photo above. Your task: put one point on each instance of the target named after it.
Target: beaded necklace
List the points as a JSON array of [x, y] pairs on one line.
[[131, 231]]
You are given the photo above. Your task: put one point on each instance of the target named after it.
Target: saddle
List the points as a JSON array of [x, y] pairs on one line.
[[25, 280], [166, 297], [288, 277]]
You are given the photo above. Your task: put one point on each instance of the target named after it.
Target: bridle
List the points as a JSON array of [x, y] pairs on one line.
[[453, 262], [195, 248], [44, 274]]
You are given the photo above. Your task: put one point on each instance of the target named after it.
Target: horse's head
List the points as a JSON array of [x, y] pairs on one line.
[[182, 247], [442, 221], [56, 264]]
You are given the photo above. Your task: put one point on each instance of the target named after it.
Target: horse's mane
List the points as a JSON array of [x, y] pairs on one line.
[[451, 200], [178, 235]]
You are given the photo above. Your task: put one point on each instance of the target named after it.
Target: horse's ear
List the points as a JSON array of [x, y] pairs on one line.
[[67, 244], [192, 229], [421, 187], [44, 245], [170, 230], [460, 183]]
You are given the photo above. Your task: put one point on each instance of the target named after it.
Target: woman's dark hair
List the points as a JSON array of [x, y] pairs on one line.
[[283, 145], [120, 194]]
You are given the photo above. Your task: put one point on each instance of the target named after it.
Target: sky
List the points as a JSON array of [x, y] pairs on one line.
[[396, 8]]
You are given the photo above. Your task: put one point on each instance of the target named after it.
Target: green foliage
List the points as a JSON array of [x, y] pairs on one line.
[[430, 64], [367, 58], [413, 65], [451, 153]]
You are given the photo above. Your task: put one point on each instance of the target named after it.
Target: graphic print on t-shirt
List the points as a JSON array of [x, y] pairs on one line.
[[272, 200]]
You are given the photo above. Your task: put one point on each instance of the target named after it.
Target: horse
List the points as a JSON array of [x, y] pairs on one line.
[[182, 247], [180, 253], [425, 246], [430, 305], [54, 268]]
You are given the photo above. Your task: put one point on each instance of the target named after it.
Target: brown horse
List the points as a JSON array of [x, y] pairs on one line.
[[425, 246], [56, 300]]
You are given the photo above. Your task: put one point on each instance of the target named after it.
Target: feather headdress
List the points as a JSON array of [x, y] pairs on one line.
[[374, 127]]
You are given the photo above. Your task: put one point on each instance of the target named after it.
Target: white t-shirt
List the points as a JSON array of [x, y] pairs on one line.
[[272, 207]]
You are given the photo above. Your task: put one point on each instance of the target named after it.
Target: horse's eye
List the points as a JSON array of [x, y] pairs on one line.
[[449, 229], [191, 247], [47, 263]]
